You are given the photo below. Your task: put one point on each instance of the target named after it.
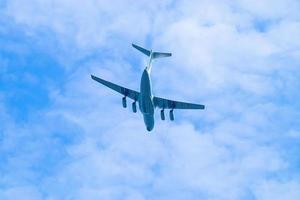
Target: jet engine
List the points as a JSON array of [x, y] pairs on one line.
[[134, 107], [124, 103], [171, 115], [162, 114]]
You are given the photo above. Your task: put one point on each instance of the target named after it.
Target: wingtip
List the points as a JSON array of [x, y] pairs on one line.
[[93, 77]]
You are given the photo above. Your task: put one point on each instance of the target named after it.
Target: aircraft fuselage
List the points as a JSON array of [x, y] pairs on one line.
[[146, 100]]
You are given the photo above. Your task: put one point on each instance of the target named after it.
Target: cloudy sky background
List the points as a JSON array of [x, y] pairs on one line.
[[63, 136]]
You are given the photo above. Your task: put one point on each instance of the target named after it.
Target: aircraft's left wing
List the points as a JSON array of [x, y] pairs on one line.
[[170, 104], [134, 95]]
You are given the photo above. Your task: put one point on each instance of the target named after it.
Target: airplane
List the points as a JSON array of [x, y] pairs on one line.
[[147, 102]]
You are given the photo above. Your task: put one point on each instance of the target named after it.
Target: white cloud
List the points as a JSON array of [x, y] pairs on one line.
[[272, 10], [26, 193], [277, 190], [294, 134], [219, 58]]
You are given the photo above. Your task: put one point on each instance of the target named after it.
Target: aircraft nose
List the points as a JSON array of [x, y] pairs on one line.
[[149, 128]]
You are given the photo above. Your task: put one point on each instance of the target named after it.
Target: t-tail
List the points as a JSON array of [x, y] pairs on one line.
[[151, 54]]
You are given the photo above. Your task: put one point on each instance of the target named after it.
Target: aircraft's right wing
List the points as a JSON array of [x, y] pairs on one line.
[[170, 104], [134, 95]]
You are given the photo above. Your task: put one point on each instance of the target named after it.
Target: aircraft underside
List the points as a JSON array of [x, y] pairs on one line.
[[147, 102]]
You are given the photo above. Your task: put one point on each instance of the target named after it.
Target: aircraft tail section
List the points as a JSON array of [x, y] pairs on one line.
[[152, 55], [141, 49], [161, 55]]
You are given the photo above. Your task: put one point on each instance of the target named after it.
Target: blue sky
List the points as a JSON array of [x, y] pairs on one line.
[[63, 136]]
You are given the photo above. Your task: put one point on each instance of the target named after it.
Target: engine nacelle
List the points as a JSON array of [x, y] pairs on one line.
[[124, 103], [171, 115], [162, 114], [134, 107]]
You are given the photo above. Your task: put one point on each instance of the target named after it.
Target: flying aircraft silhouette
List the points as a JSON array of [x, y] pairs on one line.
[[147, 102]]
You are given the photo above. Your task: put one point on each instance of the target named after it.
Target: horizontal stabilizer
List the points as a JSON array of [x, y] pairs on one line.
[[153, 55], [161, 55], [141, 49]]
